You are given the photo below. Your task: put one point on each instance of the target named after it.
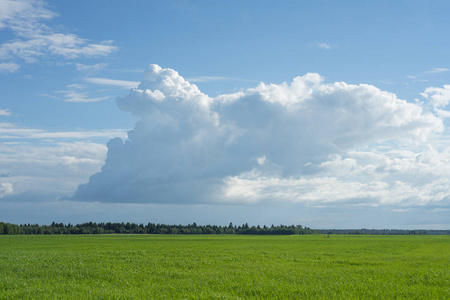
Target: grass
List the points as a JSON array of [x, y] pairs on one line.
[[224, 267]]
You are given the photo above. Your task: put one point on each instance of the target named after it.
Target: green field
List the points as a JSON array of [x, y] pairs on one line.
[[224, 267]]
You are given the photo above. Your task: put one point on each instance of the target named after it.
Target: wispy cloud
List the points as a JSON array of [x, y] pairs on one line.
[[5, 112], [74, 96], [324, 46], [437, 70], [90, 68], [419, 77], [77, 93], [45, 169], [112, 82], [9, 67], [40, 162], [67, 46], [9, 131], [85, 93], [34, 39], [20, 14], [50, 96]]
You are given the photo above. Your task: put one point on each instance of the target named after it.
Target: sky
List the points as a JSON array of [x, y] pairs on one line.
[[327, 114]]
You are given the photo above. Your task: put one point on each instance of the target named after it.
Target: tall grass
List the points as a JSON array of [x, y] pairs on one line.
[[224, 267]]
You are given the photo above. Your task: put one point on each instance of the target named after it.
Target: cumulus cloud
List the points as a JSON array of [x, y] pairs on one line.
[[35, 40], [306, 141], [439, 97]]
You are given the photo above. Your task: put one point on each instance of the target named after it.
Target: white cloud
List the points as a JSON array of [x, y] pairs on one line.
[[77, 93], [439, 97], [21, 14], [6, 188], [113, 82], [68, 46], [37, 164], [34, 39], [419, 77], [76, 86], [306, 142], [324, 46], [9, 67], [5, 112], [14, 132], [90, 68], [215, 78], [74, 96], [442, 113], [46, 169], [437, 70]]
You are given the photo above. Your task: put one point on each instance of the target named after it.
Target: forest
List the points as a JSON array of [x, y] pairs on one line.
[[151, 228]]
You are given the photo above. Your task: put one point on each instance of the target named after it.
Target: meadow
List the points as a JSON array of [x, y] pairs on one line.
[[224, 267]]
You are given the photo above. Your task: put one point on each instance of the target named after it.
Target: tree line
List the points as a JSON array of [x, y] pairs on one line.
[[151, 228], [386, 231]]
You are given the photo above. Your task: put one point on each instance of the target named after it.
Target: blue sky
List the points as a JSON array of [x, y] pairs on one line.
[[319, 113]]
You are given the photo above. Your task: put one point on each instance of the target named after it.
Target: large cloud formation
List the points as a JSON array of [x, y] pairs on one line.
[[306, 141]]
